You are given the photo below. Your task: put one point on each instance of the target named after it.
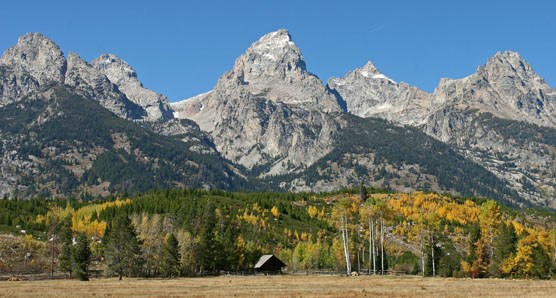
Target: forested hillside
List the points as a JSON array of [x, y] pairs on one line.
[[64, 144], [186, 232], [399, 158]]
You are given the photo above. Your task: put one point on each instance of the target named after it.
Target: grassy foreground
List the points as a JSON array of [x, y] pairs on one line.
[[282, 286]]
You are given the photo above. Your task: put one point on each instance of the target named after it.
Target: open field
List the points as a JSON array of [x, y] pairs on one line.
[[281, 286]]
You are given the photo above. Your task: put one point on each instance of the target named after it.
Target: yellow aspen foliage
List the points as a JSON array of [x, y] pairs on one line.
[[543, 237], [321, 214], [81, 218], [313, 211], [337, 247], [40, 219], [275, 212], [287, 232], [519, 228]]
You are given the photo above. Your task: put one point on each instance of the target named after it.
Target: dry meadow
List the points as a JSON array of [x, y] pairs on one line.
[[281, 286]]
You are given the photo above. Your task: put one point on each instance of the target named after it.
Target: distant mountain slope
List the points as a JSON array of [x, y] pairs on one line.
[[58, 143], [369, 93], [72, 127], [482, 116], [377, 153]]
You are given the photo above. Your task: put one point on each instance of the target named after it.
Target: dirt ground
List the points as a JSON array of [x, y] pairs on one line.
[[281, 286]]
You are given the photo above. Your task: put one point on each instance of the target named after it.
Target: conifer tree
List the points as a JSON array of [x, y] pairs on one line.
[[362, 193], [505, 246], [123, 249], [66, 251], [542, 264], [82, 257], [171, 257], [208, 246]]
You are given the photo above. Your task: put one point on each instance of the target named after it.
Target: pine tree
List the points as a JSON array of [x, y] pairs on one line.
[[433, 258], [207, 248], [66, 252], [81, 257], [123, 249], [362, 193], [231, 255], [542, 264], [450, 260], [505, 246], [171, 257]]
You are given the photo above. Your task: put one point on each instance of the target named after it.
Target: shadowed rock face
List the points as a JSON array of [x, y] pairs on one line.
[[124, 76], [268, 110], [36, 61], [91, 83]]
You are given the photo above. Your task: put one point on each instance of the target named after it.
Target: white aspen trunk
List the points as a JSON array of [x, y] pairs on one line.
[[422, 254], [375, 248], [348, 256], [381, 244], [371, 248], [345, 242], [432, 256]]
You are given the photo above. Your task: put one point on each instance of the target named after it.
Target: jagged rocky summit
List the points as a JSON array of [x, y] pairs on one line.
[[36, 61], [369, 93], [483, 116], [268, 111]]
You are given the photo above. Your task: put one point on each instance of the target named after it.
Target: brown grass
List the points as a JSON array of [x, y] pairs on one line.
[[281, 286]]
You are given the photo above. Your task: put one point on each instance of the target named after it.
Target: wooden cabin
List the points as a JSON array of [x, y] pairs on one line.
[[269, 264]]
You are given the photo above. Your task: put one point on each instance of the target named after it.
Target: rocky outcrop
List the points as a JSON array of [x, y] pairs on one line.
[[15, 84], [124, 76], [32, 63], [369, 93], [268, 111], [190, 107], [485, 114], [479, 115], [38, 56], [89, 82], [36, 61], [506, 87]]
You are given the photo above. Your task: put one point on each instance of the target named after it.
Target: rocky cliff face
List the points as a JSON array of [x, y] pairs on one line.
[[268, 111], [36, 61], [124, 76], [369, 93], [89, 82], [32, 63], [482, 114], [468, 114], [506, 87], [37, 55]]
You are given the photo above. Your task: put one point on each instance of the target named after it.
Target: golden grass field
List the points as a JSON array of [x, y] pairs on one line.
[[282, 286]]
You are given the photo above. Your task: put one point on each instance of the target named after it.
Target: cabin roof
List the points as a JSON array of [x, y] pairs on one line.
[[265, 258]]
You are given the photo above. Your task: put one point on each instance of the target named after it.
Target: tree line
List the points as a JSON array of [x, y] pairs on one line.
[[189, 232]]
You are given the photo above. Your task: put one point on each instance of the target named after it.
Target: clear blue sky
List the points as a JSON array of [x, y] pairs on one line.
[[180, 48]]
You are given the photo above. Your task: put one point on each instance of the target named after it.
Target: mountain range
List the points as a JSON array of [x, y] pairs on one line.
[[71, 127]]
